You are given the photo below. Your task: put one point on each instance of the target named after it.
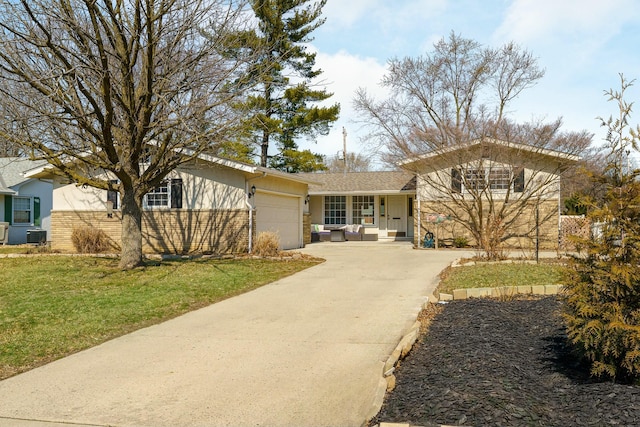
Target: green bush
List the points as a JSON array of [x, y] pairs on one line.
[[460, 242], [602, 288], [603, 283]]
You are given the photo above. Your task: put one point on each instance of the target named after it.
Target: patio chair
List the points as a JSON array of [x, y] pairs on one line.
[[4, 233]]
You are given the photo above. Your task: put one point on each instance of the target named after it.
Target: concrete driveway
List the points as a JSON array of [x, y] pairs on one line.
[[307, 350]]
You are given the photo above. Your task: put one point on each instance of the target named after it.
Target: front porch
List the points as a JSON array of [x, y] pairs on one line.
[[368, 206], [362, 217]]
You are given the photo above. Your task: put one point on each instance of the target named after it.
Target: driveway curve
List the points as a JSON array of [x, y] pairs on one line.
[[307, 350]]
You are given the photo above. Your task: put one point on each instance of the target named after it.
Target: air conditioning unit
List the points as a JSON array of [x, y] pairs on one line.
[[36, 236]]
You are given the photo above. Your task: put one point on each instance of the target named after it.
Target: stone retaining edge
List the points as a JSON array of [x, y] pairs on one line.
[[501, 292], [388, 380]]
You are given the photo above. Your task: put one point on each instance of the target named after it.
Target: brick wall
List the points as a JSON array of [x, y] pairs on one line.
[[523, 230], [170, 231], [306, 228]]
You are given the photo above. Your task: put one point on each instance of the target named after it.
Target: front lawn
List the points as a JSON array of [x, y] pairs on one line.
[[21, 249], [501, 274], [52, 306]]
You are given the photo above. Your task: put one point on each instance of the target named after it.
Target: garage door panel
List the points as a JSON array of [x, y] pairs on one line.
[[279, 214]]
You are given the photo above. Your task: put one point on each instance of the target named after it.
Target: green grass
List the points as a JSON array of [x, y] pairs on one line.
[[54, 306], [496, 275], [17, 249]]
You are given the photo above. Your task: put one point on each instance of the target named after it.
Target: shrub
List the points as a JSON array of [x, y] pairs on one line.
[[267, 244], [603, 284], [460, 242], [89, 240], [602, 289]]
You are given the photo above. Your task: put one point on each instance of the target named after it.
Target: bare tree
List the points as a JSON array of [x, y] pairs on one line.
[[125, 89], [621, 137], [353, 162], [459, 92], [447, 120]]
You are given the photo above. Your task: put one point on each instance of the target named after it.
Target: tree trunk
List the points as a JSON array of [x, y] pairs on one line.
[[264, 155], [131, 255]]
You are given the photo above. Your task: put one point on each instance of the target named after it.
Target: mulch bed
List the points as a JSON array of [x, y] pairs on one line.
[[485, 362]]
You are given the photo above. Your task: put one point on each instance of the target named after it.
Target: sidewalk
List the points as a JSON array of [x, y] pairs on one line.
[[307, 350]]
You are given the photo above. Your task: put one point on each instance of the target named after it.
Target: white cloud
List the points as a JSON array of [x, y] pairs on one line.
[[534, 21], [343, 74], [340, 13], [380, 27]]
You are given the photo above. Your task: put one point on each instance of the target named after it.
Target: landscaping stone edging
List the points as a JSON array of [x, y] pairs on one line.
[[501, 292]]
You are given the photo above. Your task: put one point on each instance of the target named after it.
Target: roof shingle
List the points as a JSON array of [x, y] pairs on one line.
[[385, 182], [12, 170]]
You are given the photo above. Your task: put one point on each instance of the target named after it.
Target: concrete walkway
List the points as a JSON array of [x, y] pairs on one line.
[[307, 350]]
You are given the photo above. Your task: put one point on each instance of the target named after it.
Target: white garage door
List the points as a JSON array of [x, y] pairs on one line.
[[280, 214]]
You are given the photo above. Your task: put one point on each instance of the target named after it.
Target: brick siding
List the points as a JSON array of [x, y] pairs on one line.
[[306, 228], [170, 231], [524, 233]]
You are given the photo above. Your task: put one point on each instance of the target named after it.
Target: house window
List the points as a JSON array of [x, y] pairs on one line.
[[22, 210], [113, 196], [158, 197], [335, 210], [363, 209], [167, 195], [475, 179], [499, 179]]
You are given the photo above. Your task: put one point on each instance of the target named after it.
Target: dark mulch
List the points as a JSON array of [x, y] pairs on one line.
[[503, 363]]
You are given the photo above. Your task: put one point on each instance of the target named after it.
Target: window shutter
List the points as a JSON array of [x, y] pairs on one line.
[[176, 193], [36, 212], [112, 196], [8, 209], [456, 181], [518, 183]]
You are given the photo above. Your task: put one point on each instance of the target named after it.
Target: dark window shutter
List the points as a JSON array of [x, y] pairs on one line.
[[8, 209], [36, 212], [112, 196], [176, 193], [456, 181], [518, 182]]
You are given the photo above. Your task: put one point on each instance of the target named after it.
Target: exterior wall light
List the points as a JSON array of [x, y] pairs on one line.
[[252, 191], [306, 199]]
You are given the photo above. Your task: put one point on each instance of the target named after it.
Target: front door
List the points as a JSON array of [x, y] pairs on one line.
[[396, 216]]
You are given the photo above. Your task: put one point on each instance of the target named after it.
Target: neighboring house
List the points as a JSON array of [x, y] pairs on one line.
[[382, 202], [488, 179], [428, 194], [25, 202], [209, 205]]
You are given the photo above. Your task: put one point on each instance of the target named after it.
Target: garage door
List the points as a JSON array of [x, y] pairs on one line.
[[280, 214]]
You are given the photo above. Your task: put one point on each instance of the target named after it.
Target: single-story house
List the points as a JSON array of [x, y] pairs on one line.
[[208, 205], [381, 203], [25, 202], [427, 194]]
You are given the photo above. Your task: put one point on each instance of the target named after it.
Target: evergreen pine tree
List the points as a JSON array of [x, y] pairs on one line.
[[284, 104]]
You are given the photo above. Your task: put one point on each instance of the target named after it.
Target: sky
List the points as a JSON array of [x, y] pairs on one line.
[[583, 46]]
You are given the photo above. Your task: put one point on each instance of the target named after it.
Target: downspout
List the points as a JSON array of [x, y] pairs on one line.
[[559, 216], [250, 212], [419, 239], [250, 208]]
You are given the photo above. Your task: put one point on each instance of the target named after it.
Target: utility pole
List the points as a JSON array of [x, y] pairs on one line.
[[344, 148]]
